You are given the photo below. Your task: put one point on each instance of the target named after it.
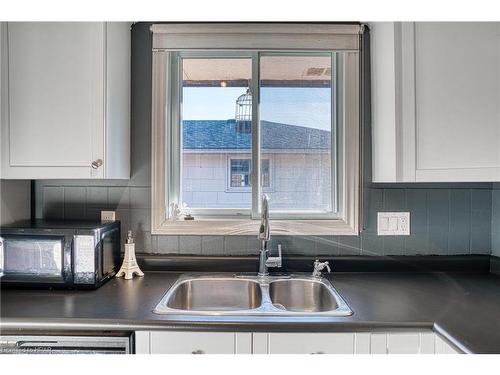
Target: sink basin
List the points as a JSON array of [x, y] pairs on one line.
[[251, 295], [215, 294], [301, 295]]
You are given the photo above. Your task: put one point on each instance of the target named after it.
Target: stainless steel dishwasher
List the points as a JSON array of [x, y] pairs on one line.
[[64, 345]]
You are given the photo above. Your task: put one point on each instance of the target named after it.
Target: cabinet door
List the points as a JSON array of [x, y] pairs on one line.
[[457, 91], [56, 96], [442, 347], [435, 95], [311, 343], [200, 343], [142, 341], [403, 343]]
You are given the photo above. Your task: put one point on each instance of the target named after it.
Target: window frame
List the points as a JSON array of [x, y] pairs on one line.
[[232, 221]]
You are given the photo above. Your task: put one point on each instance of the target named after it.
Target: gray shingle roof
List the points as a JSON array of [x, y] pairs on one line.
[[222, 135]]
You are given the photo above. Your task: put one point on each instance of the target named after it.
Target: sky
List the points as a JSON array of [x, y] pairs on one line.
[[308, 107]]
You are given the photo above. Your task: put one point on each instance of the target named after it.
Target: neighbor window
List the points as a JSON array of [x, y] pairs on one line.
[[293, 112], [240, 173]]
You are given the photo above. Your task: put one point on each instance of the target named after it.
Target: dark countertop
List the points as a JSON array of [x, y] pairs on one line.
[[462, 307]]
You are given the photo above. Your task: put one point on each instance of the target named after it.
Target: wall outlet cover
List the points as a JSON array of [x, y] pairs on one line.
[[393, 223], [108, 216]]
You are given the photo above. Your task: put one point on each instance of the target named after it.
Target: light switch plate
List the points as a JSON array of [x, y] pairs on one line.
[[393, 223], [108, 216]]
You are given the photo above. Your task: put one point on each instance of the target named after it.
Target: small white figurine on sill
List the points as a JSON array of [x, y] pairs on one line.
[[129, 266]]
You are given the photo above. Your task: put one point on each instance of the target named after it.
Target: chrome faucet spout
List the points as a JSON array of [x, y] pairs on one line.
[[264, 231], [264, 236]]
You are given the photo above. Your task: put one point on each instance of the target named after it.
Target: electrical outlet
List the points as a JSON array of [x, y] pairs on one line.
[[393, 223], [108, 215]]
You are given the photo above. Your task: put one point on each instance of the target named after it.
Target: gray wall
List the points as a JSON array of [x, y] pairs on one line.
[[445, 218], [15, 201]]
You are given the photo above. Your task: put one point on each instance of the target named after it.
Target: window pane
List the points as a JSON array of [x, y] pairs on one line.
[[240, 173], [215, 120], [295, 120], [265, 178]]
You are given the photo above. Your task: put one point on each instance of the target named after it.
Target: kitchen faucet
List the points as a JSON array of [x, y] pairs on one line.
[[265, 261]]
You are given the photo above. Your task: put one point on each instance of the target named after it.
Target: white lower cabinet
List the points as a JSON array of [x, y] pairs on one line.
[[308, 343], [157, 342], [171, 342]]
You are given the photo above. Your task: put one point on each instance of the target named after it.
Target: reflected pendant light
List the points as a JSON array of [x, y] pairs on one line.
[[243, 115]]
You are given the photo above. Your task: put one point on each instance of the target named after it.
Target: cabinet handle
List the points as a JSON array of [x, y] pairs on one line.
[[96, 163], [320, 352], [198, 351]]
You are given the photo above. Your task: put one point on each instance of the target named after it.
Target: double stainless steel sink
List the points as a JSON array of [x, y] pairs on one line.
[[230, 294]]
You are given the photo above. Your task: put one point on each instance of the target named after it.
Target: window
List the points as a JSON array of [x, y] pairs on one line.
[[293, 112], [240, 173], [296, 128], [208, 131]]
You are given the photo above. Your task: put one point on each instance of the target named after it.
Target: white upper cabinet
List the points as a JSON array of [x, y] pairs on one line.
[[65, 100], [435, 101]]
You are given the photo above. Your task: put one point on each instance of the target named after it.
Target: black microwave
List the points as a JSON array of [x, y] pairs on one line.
[[59, 254]]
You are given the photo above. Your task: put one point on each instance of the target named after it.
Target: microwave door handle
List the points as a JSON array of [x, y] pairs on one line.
[[4, 344], [23, 343]]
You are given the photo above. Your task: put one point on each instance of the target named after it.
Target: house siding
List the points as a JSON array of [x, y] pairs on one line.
[[297, 181]]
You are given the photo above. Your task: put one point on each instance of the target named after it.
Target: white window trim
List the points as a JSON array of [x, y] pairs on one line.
[[348, 140]]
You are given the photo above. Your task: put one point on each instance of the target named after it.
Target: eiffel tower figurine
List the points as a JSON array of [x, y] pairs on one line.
[[129, 266]]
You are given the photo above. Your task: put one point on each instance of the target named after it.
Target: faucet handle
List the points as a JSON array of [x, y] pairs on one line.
[[275, 261]]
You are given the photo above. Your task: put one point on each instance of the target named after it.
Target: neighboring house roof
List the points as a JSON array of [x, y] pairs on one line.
[[222, 135]]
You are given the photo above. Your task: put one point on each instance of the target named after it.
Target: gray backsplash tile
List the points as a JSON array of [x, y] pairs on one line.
[[393, 245], [480, 242], [495, 223], [416, 244], [140, 219], [97, 196], [438, 221], [74, 212], [394, 199], [442, 222], [190, 245], [371, 244], [327, 245], [140, 197], [297, 245], [93, 213], [481, 199], [212, 245], [416, 199], [349, 245], [75, 195], [119, 197], [374, 203], [53, 202], [166, 244], [460, 222], [241, 245], [143, 242]]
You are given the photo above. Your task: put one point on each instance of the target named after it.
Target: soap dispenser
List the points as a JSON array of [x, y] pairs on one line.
[[129, 266]]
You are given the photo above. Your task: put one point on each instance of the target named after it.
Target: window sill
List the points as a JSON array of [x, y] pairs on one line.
[[239, 227]]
